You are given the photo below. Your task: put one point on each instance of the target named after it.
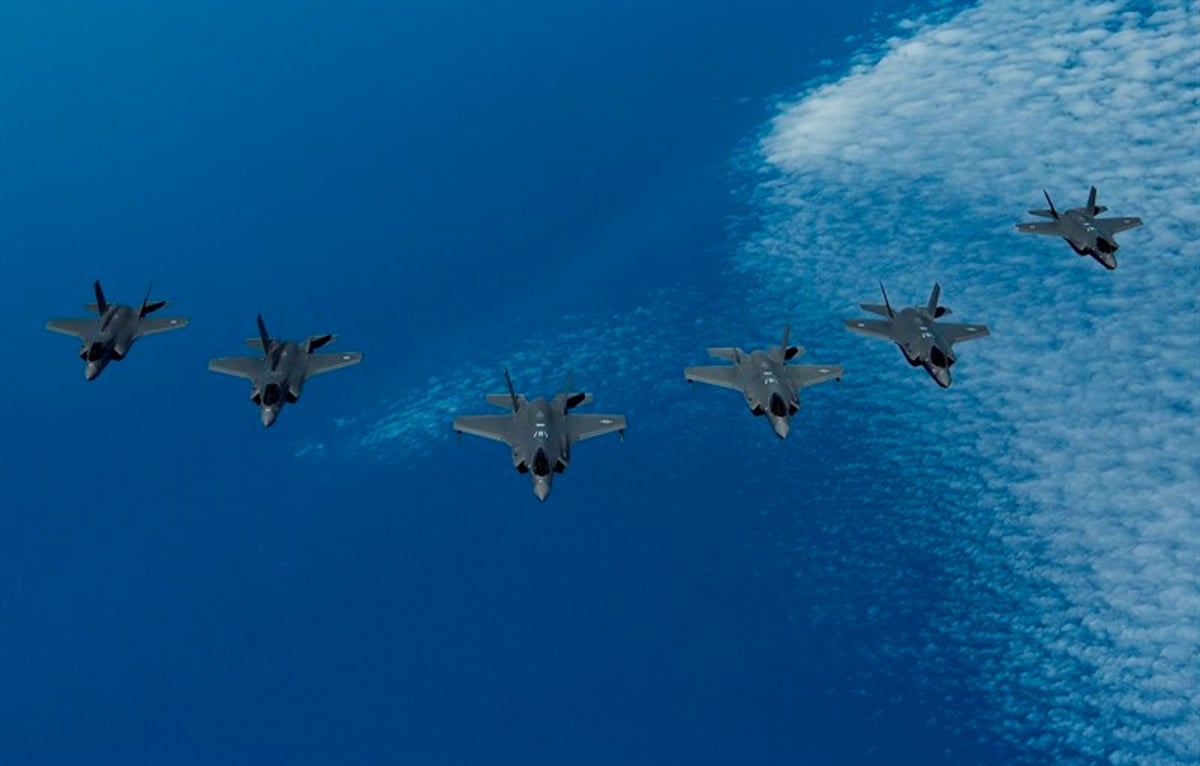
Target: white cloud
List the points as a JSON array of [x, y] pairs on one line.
[[1084, 406]]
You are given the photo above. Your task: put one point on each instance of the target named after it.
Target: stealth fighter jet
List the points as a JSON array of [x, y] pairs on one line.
[[924, 341], [109, 336], [278, 376], [1083, 231], [540, 432], [771, 386]]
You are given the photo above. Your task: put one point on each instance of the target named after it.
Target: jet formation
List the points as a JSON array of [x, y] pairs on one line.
[[924, 341], [1083, 231], [540, 433], [110, 335], [770, 385], [277, 377]]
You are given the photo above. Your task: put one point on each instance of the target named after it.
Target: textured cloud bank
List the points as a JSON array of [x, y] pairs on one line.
[[1083, 409], [1057, 486]]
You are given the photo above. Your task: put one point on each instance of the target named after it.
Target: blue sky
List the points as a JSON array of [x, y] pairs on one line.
[[916, 576]]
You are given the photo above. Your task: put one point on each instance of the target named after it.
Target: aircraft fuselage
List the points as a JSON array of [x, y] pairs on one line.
[[767, 389], [923, 345]]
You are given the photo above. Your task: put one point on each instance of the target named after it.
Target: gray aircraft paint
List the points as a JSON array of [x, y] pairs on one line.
[[540, 433], [277, 377], [771, 386], [1083, 231], [924, 341], [110, 336]]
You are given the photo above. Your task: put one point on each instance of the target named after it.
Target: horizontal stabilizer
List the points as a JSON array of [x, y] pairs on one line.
[[317, 341], [255, 343], [573, 399], [728, 353], [504, 401], [1043, 213], [93, 308], [875, 308]]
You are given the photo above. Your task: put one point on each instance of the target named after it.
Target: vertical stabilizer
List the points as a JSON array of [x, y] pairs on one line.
[[932, 306], [1092, 209], [264, 336], [886, 303], [512, 392], [1053, 211], [101, 304]]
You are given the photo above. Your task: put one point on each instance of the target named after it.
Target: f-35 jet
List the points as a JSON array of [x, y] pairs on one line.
[[1083, 231], [924, 341], [540, 432], [771, 386], [109, 336], [278, 376]]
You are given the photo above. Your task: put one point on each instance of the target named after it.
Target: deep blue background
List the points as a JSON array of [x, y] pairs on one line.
[[434, 182]]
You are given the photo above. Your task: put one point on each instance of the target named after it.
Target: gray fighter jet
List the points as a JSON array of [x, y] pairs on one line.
[[1083, 231], [540, 432], [278, 376], [924, 341], [109, 336], [771, 386]]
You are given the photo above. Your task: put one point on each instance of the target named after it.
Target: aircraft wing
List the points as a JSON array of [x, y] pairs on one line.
[[875, 328], [495, 427], [805, 375], [238, 366], [1046, 228], [318, 364], [1118, 225], [580, 427], [77, 328], [957, 333], [153, 325], [723, 375]]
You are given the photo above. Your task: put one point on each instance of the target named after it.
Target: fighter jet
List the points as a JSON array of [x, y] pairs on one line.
[[924, 341], [278, 376], [540, 432], [109, 336], [771, 386], [1083, 231]]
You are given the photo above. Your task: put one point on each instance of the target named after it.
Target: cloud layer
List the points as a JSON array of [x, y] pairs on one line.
[[1082, 411]]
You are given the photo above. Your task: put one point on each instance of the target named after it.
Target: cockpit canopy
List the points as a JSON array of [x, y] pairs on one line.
[[778, 406], [271, 395], [939, 358], [541, 464]]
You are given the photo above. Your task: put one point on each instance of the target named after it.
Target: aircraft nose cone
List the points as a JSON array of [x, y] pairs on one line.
[[541, 488], [90, 372], [781, 426], [942, 376], [268, 416]]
